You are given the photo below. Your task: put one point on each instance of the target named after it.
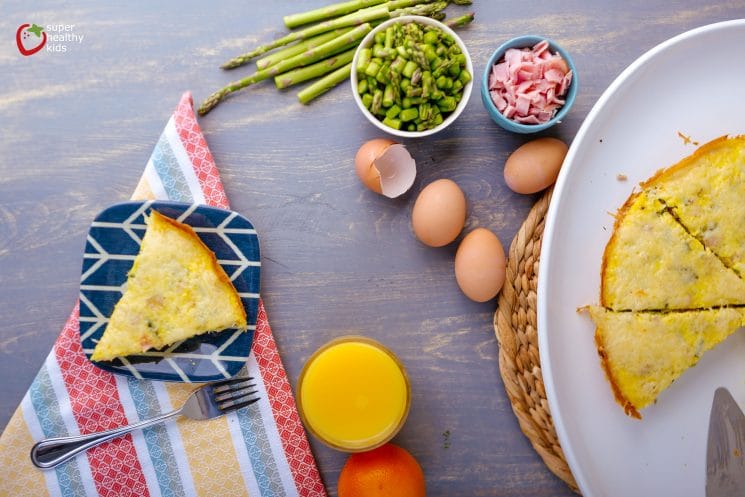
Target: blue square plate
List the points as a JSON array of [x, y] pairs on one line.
[[114, 241]]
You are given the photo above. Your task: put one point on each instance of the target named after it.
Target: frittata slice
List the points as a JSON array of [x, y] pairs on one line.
[[706, 191], [644, 352], [175, 290], [652, 263]]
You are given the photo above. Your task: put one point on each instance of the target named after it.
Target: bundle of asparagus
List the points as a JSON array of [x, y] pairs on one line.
[[324, 50]]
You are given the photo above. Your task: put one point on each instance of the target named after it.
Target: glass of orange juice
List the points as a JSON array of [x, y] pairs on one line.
[[353, 394]]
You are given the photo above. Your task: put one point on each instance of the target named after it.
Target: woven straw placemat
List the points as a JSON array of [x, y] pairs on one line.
[[515, 324]]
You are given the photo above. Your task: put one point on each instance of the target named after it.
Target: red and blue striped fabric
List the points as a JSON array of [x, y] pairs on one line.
[[261, 451]]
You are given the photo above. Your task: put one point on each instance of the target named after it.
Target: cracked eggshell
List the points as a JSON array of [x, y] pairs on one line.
[[385, 167]]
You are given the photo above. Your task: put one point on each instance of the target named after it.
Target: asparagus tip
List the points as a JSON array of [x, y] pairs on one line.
[[211, 101], [458, 22]]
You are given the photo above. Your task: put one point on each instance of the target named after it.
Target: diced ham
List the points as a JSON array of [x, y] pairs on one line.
[[543, 86], [500, 72], [498, 100], [513, 57], [553, 75], [527, 86], [540, 48], [522, 107], [536, 98], [551, 107], [524, 76], [527, 119], [509, 111], [557, 63], [565, 83], [524, 87]]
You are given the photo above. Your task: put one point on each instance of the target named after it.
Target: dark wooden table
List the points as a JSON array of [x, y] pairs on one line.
[[78, 127]]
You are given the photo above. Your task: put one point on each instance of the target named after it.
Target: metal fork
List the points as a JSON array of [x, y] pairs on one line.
[[207, 402]]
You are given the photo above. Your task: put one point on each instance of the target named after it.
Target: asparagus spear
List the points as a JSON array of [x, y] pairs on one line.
[[426, 9], [333, 79], [303, 45], [367, 14], [330, 11], [314, 70], [353, 19], [299, 47], [459, 22], [308, 57], [294, 20], [401, 4], [324, 84]]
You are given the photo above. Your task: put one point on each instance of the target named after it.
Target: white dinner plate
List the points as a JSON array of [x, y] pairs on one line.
[[692, 84]]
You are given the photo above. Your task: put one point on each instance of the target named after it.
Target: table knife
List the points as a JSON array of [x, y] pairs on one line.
[[725, 449]]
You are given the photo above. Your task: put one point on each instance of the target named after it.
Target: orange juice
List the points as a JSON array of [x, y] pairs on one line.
[[354, 394]]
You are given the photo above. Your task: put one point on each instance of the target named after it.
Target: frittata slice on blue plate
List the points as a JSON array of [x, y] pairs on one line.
[[175, 290]]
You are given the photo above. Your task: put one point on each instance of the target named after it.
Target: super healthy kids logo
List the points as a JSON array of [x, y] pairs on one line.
[[32, 38]]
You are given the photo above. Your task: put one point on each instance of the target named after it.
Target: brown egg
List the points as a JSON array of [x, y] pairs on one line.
[[480, 265], [439, 213], [385, 167], [535, 165]]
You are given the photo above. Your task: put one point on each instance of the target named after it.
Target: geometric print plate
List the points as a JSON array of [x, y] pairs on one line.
[[112, 244]]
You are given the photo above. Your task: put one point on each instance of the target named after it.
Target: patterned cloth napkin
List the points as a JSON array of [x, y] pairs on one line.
[[259, 451]]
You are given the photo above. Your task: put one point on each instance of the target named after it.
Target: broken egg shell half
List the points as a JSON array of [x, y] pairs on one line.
[[385, 167]]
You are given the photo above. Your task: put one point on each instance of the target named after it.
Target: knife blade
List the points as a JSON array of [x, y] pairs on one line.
[[725, 449]]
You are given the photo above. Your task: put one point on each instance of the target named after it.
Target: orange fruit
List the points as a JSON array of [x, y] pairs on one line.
[[388, 471]]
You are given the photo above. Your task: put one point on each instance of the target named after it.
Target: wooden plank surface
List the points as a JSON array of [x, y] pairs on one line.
[[78, 127]]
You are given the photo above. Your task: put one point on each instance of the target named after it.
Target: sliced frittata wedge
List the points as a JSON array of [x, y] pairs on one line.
[[175, 290], [652, 263], [706, 192], [644, 352]]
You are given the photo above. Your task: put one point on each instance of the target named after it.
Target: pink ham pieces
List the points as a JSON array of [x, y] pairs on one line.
[[527, 86]]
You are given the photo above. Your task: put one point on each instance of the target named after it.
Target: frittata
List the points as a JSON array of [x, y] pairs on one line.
[[652, 262], [706, 192], [644, 352], [175, 290], [672, 274]]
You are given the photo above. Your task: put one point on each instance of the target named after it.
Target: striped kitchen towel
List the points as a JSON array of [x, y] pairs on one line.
[[259, 451]]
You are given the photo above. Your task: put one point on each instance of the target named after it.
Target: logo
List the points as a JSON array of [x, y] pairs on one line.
[[30, 39]]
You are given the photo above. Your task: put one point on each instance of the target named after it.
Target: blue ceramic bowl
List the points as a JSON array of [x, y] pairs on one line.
[[508, 124]]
